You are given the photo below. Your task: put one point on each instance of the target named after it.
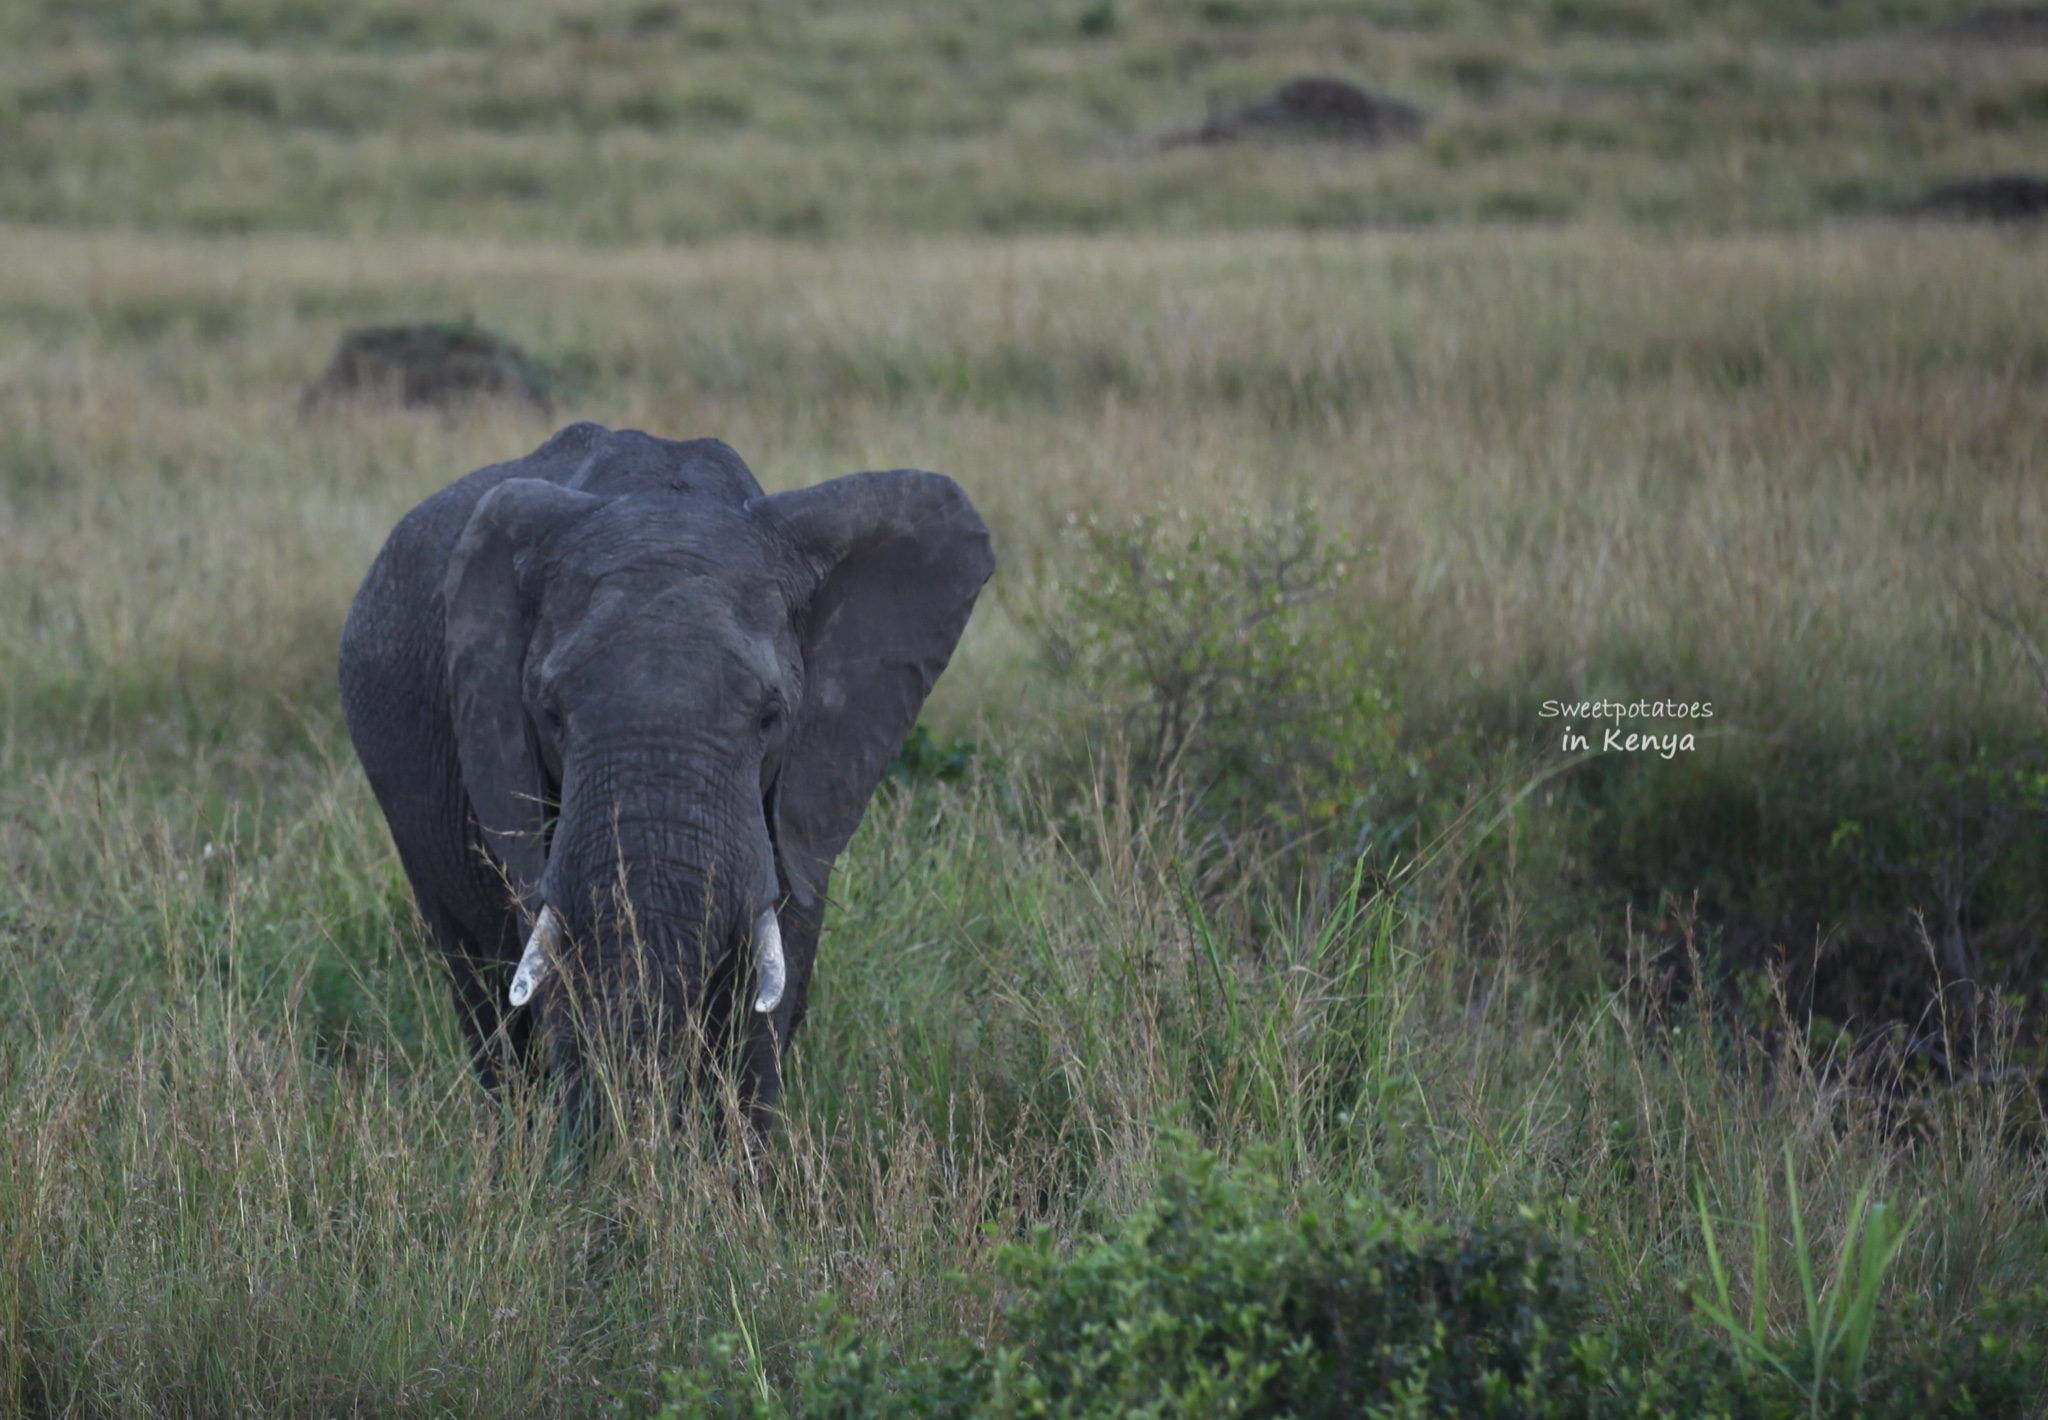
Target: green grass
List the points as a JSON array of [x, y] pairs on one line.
[[243, 1158]]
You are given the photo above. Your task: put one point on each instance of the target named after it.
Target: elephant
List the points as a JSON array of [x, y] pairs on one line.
[[622, 711]]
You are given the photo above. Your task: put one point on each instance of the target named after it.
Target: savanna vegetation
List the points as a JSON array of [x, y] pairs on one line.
[[1239, 1001], [621, 121]]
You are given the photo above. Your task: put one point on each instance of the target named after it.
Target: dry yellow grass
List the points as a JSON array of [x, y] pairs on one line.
[[612, 121], [1753, 468]]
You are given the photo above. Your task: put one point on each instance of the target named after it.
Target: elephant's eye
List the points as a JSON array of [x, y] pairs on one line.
[[770, 718]]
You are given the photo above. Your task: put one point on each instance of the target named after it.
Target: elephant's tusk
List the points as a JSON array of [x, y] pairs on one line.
[[539, 959], [768, 967]]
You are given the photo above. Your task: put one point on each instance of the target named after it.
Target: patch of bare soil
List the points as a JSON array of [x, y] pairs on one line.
[[1996, 197], [432, 364], [1998, 24], [1332, 110]]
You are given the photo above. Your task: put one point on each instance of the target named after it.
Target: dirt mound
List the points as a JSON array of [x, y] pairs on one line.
[[1328, 109], [1998, 24], [1998, 197], [435, 364]]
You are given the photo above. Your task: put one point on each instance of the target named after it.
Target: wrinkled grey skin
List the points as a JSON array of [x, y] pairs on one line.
[[615, 663]]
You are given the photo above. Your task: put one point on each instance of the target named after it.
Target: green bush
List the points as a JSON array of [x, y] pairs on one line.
[[1224, 1296], [1232, 1294], [1214, 655], [1221, 1298], [926, 757]]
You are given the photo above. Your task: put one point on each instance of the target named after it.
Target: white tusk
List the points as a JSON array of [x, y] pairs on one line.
[[539, 960], [768, 968]]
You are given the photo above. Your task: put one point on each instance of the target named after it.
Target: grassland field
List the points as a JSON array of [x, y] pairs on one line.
[[1623, 382], [622, 123]]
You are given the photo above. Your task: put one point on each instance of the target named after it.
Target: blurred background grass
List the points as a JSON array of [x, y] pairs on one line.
[[683, 122], [1629, 379]]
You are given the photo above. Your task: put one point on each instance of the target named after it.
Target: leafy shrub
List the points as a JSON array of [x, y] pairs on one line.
[[1099, 19], [1230, 1295], [1220, 1298], [1223, 1296], [925, 757], [1214, 655]]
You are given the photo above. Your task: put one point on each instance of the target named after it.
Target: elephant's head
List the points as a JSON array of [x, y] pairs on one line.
[[672, 697]]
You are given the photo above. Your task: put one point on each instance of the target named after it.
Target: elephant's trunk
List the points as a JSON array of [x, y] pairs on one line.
[[660, 887]]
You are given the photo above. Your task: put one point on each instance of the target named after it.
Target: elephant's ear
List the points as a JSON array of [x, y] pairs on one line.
[[898, 559], [490, 597]]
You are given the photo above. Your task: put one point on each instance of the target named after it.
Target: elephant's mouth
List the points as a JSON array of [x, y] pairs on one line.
[[545, 947]]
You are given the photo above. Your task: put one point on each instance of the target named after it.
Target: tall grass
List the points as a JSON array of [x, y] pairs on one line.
[[217, 1196], [242, 1158]]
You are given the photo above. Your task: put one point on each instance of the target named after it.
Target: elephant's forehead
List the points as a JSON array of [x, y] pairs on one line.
[[667, 541], [690, 627], [672, 599], [723, 607]]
